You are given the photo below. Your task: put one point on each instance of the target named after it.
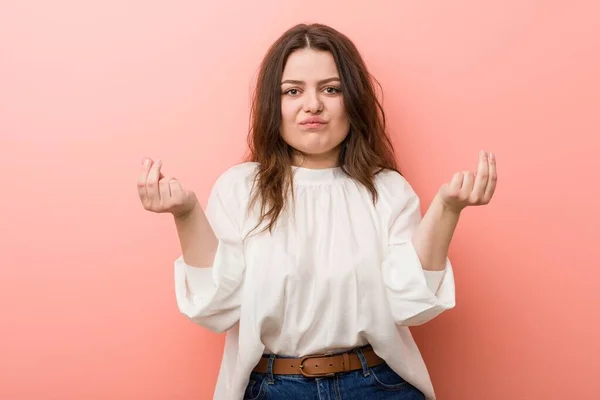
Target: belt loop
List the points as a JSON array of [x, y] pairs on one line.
[[270, 377], [346, 361], [363, 361]]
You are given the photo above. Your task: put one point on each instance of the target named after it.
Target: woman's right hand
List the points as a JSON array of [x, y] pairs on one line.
[[161, 194]]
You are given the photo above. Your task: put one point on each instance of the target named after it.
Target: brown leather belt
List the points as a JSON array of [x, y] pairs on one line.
[[319, 365]]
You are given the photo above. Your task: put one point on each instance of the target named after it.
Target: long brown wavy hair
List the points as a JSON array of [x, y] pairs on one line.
[[366, 150]]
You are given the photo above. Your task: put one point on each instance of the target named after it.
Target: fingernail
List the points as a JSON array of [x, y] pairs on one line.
[[146, 161], [492, 156]]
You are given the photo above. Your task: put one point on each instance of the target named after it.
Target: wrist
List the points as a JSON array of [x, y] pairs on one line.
[[446, 208], [186, 213]]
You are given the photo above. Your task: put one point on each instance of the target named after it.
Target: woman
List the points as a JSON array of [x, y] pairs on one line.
[[312, 255]]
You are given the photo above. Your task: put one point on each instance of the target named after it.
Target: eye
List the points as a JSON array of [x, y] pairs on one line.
[[332, 90], [292, 92]]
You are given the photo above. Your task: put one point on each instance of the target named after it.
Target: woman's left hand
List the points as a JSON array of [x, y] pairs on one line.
[[468, 189]]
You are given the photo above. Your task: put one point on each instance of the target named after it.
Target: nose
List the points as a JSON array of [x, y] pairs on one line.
[[312, 102]]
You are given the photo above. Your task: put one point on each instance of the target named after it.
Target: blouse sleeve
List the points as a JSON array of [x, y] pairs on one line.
[[210, 296], [416, 296]]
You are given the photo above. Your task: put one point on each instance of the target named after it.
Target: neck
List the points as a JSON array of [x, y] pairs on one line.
[[320, 161]]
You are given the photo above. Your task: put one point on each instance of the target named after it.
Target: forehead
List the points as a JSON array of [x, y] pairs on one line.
[[310, 65]]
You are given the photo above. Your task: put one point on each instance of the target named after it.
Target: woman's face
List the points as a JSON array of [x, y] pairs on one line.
[[314, 119]]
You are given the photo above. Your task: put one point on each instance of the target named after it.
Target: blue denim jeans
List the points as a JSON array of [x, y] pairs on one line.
[[371, 383]]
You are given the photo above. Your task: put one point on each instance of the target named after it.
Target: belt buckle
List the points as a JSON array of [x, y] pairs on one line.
[[303, 359]]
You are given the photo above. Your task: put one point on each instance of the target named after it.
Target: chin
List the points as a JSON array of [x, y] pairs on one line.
[[318, 152], [315, 146]]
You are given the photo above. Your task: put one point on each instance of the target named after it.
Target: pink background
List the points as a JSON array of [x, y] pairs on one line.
[[89, 88]]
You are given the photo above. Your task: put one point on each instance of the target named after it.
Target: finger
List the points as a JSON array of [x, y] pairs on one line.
[[456, 182], [176, 190], [164, 190], [152, 183], [141, 184], [481, 179], [467, 183], [492, 179]]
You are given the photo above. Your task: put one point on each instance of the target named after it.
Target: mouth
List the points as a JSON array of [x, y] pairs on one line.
[[313, 123]]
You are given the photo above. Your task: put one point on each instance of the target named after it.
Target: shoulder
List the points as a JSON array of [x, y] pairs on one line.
[[226, 205], [231, 190], [235, 183], [392, 183], [396, 196], [239, 174]]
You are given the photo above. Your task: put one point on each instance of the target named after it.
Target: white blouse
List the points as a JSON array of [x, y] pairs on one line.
[[337, 272]]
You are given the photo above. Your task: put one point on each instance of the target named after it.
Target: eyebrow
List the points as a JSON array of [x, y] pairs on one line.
[[295, 82]]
